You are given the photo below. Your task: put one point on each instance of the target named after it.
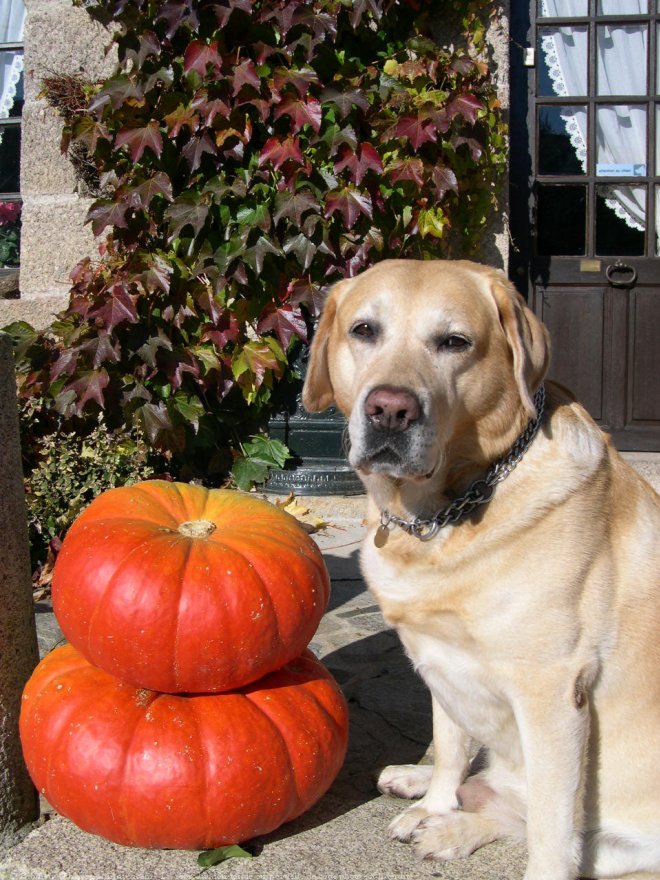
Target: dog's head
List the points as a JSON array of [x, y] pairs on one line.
[[427, 359]]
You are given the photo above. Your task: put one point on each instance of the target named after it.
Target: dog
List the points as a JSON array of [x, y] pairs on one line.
[[518, 557]]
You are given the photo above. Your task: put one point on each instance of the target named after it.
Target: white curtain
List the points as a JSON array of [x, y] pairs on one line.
[[12, 17], [621, 69]]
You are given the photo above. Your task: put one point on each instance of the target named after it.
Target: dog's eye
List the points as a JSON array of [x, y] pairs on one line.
[[454, 342], [364, 330]]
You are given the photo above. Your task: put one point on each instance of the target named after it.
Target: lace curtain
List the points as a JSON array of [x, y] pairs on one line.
[[12, 17], [621, 69]]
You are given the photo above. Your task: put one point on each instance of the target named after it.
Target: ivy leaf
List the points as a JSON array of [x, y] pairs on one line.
[[359, 163], [116, 91], [260, 454], [256, 255], [431, 222], [189, 407], [443, 179], [419, 130], [350, 203], [245, 74], [277, 152], [139, 139], [157, 185], [89, 386], [179, 118], [104, 213], [190, 208], [467, 106], [254, 360], [149, 350], [257, 215], [116, 308], [344, 101], [293, 205], [100, 349], [285, 321], [407, 169], [301, 112], [195, 149], [301, 79], [176, 13], [199, 55], [154, 419], [303, 249]]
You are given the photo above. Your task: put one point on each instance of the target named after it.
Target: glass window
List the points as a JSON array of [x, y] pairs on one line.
[[616, 45], [620, 140], [562, 140], [10, 155], [562, 65], [622, 7], [563, 8], [561, 220], [657, 221], [620, 220]]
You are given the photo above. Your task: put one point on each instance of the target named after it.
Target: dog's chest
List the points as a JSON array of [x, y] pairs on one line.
[[457, 660]]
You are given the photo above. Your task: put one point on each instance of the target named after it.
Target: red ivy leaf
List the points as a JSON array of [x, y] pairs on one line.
[[286, 322], [138, 139], [418, 130], [158, 185], [226, 330], [245, 74], [301, 112], [89, 386], [359, 163], [407, 169], [278, 152], [199, 55], [467, 105], [300, 79], [177, 119], [195, 149], [117, 308], [443, 179], [350, 203], [100, 349], [105, 213]]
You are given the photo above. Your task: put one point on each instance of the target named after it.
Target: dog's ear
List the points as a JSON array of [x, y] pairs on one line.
[[318, 392], [528, 339]]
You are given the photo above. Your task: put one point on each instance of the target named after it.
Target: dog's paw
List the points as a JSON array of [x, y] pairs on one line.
[[405, 824], [405, 780], [455, 835]]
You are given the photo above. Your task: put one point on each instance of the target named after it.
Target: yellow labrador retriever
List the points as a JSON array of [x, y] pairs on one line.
[[517, 555]]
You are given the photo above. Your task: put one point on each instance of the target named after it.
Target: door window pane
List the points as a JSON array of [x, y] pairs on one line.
[[562, 140], [10, 151], [620, 140], [563, 8], [657, 139], [657, 221], [625, 7], [621, 51], [620, 220], [561, 220], [562, 67]]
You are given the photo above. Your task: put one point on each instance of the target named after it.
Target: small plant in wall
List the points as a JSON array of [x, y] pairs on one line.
[[250, 153]]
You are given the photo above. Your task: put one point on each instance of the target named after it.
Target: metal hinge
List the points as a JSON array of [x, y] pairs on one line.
[[529, 57]]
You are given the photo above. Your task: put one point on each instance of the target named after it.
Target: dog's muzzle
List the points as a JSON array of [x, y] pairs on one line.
[[390, 431]]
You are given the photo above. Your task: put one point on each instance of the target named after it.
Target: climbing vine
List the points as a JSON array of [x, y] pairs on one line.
[[245, 155]]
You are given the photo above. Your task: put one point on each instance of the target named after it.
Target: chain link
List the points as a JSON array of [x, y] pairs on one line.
[[480, 492]]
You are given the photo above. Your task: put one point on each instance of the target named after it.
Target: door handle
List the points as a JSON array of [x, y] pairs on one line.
[[621, 268]]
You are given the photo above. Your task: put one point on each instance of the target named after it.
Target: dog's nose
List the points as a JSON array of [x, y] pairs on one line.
[[392, 409]]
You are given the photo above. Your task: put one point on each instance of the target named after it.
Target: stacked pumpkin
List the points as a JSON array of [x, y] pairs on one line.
[[186, 712]]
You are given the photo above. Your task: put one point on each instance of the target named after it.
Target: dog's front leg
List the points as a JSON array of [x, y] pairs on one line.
[[554, 727], [450, 767]]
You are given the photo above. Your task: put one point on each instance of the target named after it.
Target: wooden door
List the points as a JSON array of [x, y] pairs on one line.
[[585, 200]]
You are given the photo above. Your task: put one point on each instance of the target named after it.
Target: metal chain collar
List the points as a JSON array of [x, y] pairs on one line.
[[480, 492]]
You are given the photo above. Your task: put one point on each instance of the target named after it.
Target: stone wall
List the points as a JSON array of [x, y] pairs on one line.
[[59, 38]]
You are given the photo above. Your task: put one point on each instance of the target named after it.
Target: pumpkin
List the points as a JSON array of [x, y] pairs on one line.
[[181, 771], [178, 588]]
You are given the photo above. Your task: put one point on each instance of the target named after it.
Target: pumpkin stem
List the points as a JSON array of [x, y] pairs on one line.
[[197, 528]]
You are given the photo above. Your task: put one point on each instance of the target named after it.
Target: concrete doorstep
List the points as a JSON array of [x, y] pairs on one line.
[[345, 834]]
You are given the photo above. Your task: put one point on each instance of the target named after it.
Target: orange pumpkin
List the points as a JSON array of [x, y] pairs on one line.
[[181, 771], [178, 588]]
